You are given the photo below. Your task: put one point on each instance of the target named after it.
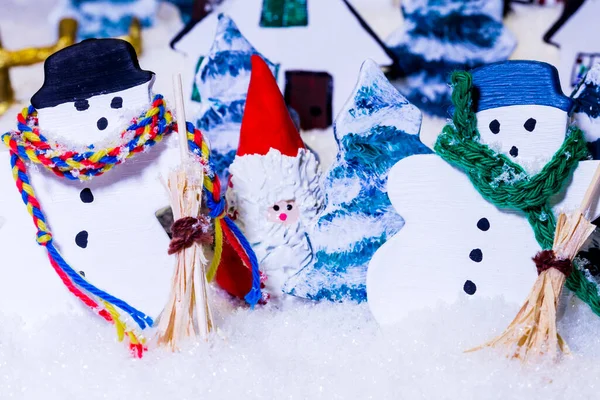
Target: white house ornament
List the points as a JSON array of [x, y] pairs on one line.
[[274, 190], [515, 158], [297, 35], [570, 33], [84, 123]]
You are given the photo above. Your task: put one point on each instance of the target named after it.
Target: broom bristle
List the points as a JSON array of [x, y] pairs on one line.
[[183, 317]]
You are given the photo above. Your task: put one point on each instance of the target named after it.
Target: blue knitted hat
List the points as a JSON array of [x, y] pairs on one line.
[[512, 83]]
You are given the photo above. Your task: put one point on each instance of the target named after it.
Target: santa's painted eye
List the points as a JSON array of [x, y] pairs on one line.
[[117, 102], [276, 207], [530, 124], [82, 105], [289, 207], [495, 126]]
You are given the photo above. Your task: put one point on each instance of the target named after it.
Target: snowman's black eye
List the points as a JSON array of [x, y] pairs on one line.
[[495, 126], [276, 207], [530, 124], [81, 105], [117, 102], [289, 207]]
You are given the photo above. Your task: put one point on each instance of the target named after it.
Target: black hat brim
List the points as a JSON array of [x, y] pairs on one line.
[[90, 68]]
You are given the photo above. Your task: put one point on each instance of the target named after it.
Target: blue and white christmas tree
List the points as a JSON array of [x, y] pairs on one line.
[[106, 18], [376, 128], [440, 36], [587, 109], [221, 85]]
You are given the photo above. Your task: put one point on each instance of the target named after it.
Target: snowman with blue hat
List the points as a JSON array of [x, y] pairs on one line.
[[479, 209]]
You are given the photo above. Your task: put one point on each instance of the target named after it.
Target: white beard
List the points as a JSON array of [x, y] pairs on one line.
[[258, 183]]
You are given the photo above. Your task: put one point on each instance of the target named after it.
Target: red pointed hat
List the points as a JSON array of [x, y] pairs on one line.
[[267, 123]]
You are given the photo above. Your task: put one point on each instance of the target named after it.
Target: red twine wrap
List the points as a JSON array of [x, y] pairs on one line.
[[546, 259], [189, 230]]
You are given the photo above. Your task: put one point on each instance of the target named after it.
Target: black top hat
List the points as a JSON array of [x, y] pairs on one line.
[[89, 68]]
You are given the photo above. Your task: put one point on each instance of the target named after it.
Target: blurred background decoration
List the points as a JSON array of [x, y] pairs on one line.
[[67, 35]]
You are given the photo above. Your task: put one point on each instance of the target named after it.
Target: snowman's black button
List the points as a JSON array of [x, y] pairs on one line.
[[476, 255], [82, 239], [86, 196], [82, 273], [102, 123], [470, 288], [483, 224], [514, 151]]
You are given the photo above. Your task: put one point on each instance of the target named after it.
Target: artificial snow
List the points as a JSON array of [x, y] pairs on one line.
[[324, 351], [307, 351]]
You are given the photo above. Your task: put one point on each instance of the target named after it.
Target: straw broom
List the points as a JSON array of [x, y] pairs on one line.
[[187, 313], [533, 332]]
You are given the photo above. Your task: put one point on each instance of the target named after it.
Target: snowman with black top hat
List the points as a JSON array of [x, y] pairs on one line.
[[86, 158]]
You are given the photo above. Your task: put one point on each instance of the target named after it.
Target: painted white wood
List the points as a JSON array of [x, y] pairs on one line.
[[82, 130], [429, 261], [533, 149], [127, 247], [338, 49]]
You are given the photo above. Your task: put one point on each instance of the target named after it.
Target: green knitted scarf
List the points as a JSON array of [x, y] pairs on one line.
[[506, 184]]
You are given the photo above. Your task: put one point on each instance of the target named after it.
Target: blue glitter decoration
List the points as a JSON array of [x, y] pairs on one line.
[[221, 85], [107, 18], [440, 36], [376, 128]]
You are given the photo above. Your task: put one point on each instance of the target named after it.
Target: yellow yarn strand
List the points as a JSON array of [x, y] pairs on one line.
[[214, 264]]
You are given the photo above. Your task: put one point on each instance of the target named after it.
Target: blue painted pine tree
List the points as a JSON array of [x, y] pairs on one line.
[[107, 18], [221, 85], [587, 109], [376, 128], [440, 36]]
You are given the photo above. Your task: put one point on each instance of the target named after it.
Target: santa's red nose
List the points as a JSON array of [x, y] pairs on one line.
[[283, 217]]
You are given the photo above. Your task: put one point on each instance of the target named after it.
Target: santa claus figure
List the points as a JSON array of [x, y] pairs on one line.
[[274, 191]]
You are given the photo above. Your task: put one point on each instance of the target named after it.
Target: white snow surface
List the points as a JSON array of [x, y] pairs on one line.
[[324, 351]]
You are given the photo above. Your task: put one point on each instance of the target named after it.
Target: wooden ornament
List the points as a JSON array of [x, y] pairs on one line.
[[455, 244], [275, 190], [376, 128], [105, 226]]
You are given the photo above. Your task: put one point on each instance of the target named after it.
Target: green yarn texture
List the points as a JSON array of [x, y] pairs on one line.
[[506, 184]]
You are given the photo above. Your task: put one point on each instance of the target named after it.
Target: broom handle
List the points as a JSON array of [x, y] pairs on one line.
[[181, 122], [591, 192]]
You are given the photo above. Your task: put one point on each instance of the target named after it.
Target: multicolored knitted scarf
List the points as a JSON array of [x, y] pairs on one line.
[[506, 184], [27, 144]]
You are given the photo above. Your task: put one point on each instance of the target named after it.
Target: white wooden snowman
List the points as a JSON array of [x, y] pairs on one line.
[[456, 244], [104, 227]]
